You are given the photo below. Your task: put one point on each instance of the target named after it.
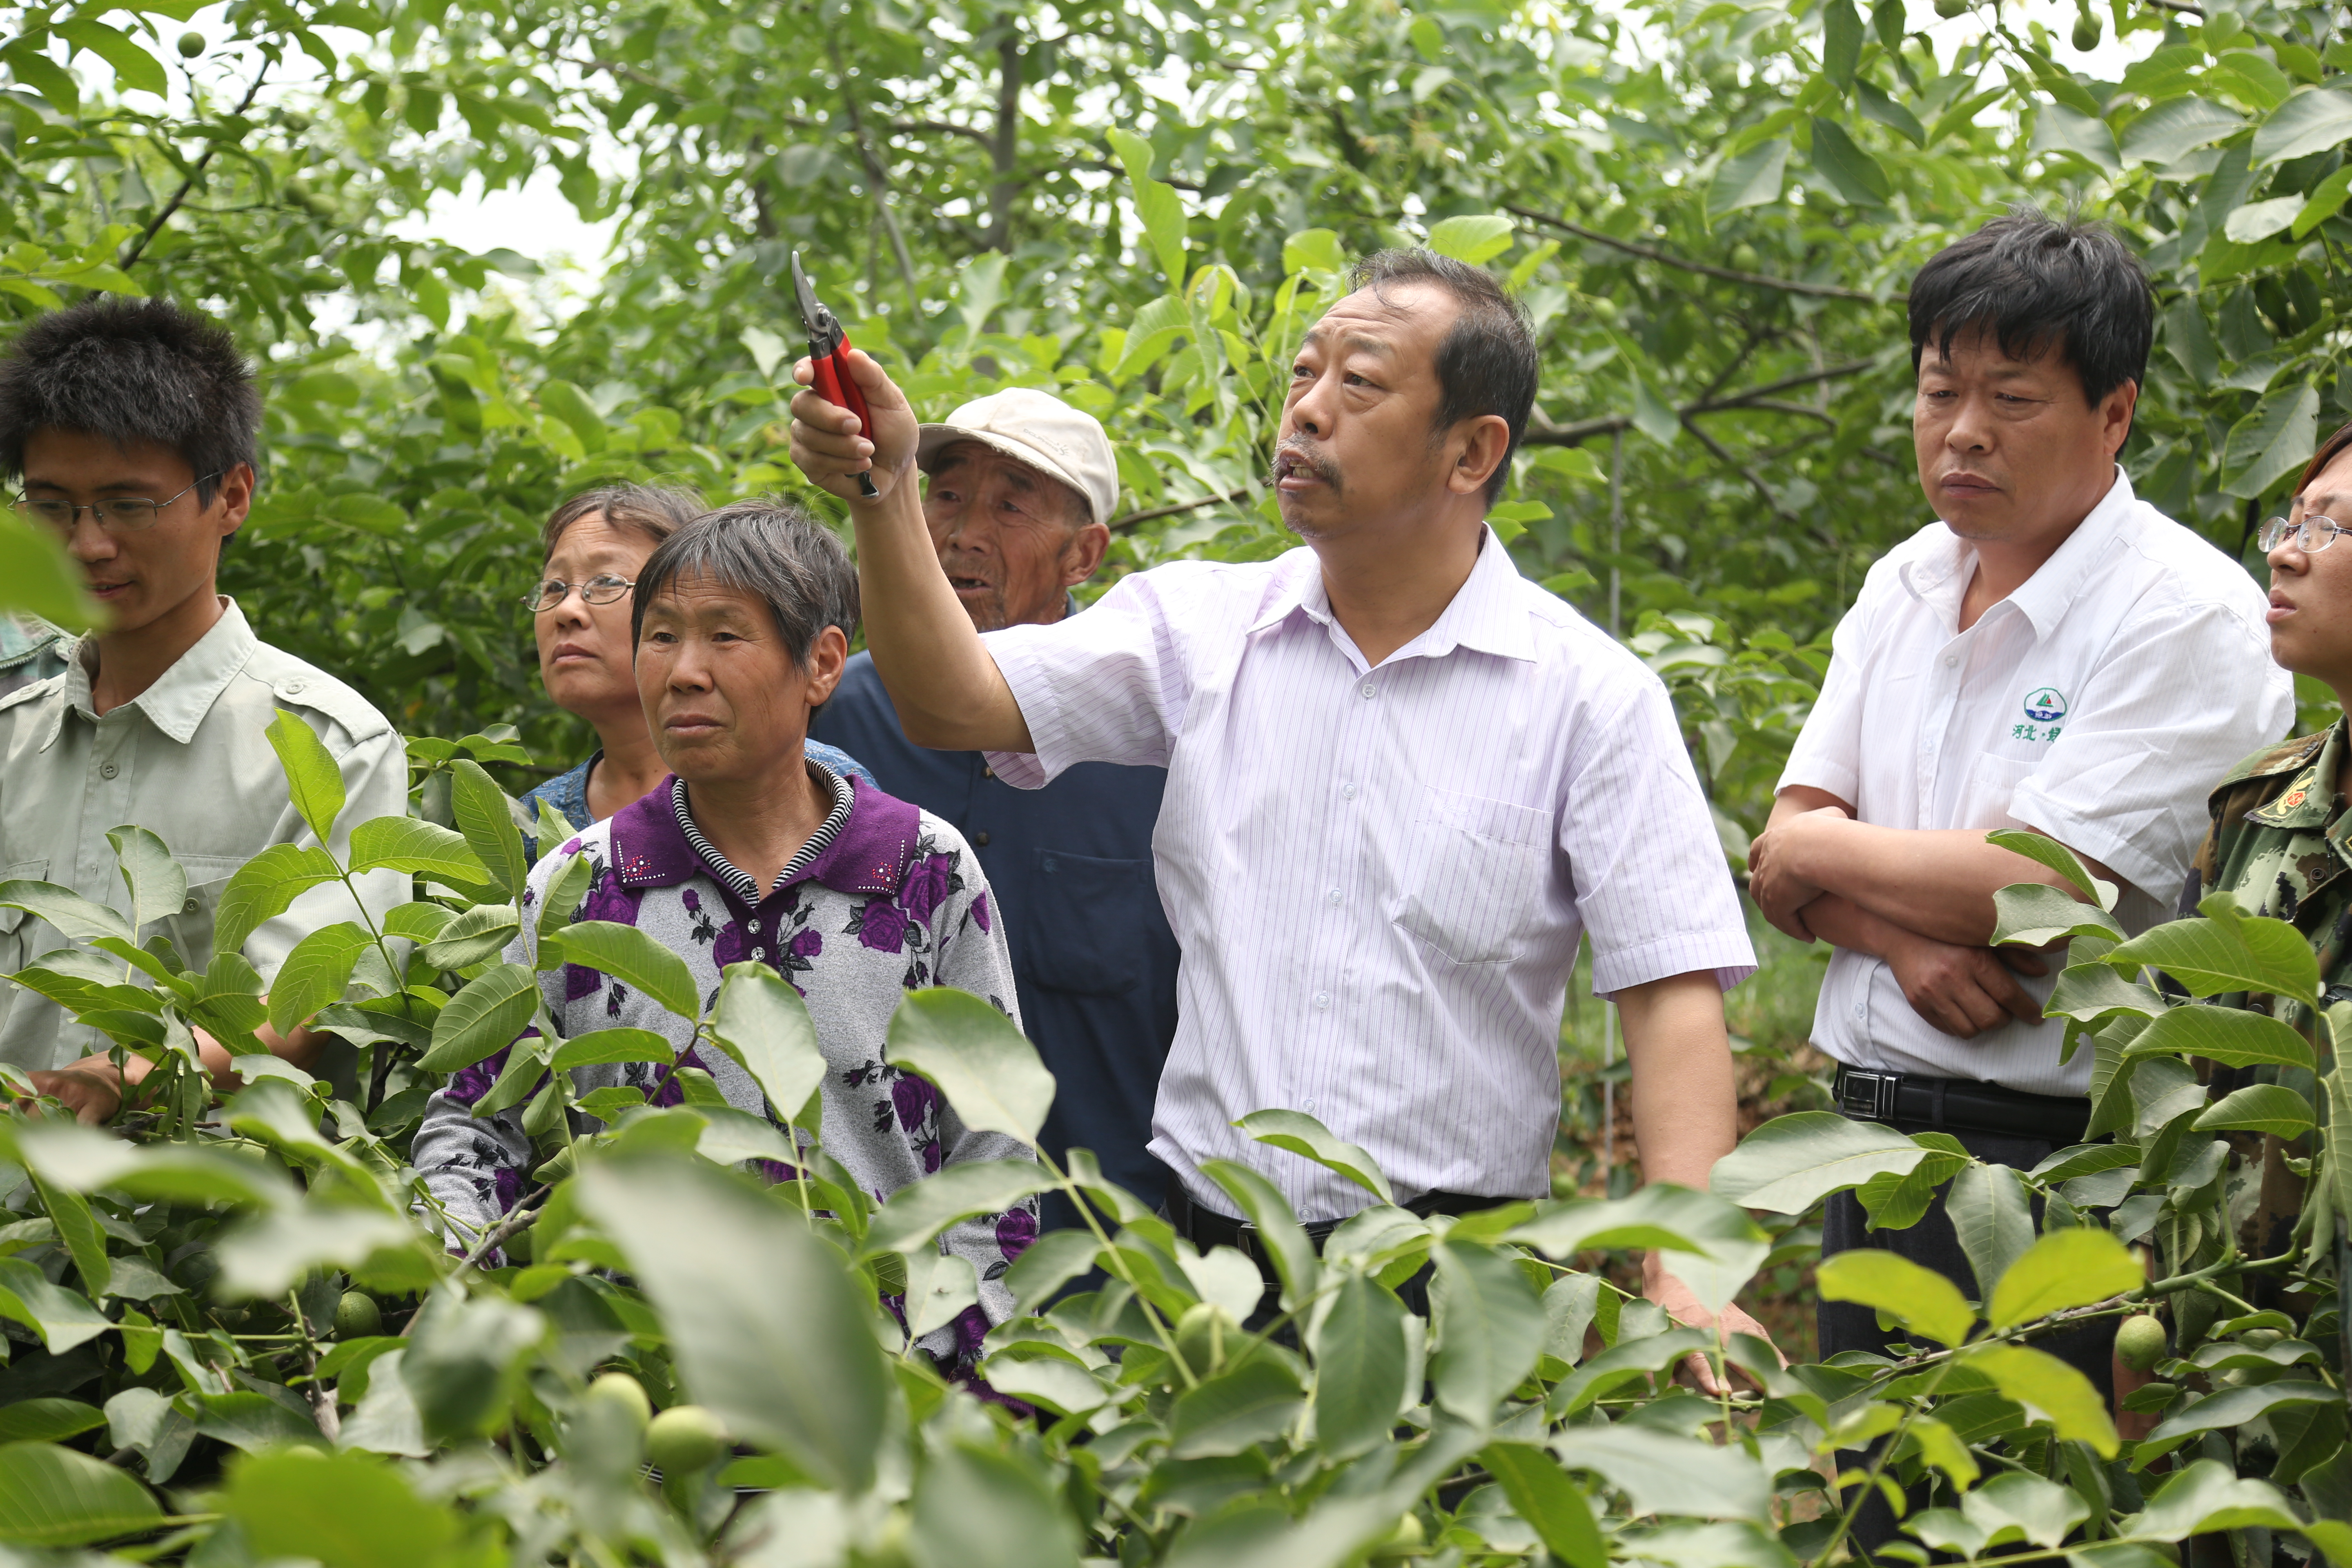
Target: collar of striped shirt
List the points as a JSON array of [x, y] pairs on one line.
[[868, 852], [740, 881]]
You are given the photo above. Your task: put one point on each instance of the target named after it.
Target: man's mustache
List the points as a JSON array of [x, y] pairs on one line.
[[1295, 454]]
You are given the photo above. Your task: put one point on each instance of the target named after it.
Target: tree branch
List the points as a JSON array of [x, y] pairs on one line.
[[1005, 149], [1131, 519], [879, 180], [1730, 275], [1755, 480], [1754, 397], [138, 247]]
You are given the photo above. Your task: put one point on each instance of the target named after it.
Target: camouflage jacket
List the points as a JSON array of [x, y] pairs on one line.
[[30, 649]]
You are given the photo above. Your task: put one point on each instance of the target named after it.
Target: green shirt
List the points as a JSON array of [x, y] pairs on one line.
[[189, 760], [2281, 841]]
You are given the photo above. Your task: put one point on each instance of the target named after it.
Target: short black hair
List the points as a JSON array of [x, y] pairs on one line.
[[132, 370], [769, 548], [1487, 363], [2040, 285]]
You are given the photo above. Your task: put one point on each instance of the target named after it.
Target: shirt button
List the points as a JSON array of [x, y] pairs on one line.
[[189, 908], [1322, 999], [1308, 1106], [980, 839], [1346, 792], [108, 772], [1333, 895], [988, 772], [1369, 689], [1050, 864], [1857, 1010], [295, 688], [753, 927], [1950, 659]]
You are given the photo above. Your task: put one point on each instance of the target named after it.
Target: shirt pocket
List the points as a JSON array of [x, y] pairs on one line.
[[1086, 921], [13, 939], [191, 929], [1475, 876], [1990, 786]]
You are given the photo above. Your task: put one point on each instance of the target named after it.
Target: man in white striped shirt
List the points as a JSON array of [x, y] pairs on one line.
[[1403, 781]]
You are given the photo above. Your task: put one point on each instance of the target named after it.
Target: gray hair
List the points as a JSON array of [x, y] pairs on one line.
[[769, 548]]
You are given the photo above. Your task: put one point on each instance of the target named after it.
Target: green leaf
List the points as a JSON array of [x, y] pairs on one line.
[[1548, 1501], [1051, 1261], [2267, 1108], [55, 1497], [1792, 1163], [39, 576], [312, 776], [133, 66], [2170, 131], [2064, 1268], [157, 884], [420, 848], [77, 1227], [977, 1508], [613, 1045], [1841, 41], [2326, 199], [1750, 179], [631, 957], [762, 1022], [1490, 1328], [2047, 851], [350, 1509], [2257, 221], [1475, 241], [2205, 1498], [1234, 1410], [1919, 1298], [47, 1420], [979, 1058], [76, 918], [1943, 1448], [61, 1317], [478, 934], [2033, 914], [1652, 415], [1320, 248], [1279, 1231], [252, 1422], [315, 973], [2313, 120], [918, 1211], [1359, 1368], [2275, 440], [2067, 128], [572, 405], [2043, 1382], [490, 1012], [2090, 991], [1720, 1246], [1662, 1474], [1156, 204], [1875, 105], [485, 817], [40, 73], [1852, 172], [2229, 1035], [764, 1327], [260, 889], [561, 900], [2228, 950], [2235, 1407], [1989, 1209], [1301, 1134]]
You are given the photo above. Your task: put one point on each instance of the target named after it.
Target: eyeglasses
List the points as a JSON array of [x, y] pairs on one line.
[[602, 589], [2311, 535], [120, 514]]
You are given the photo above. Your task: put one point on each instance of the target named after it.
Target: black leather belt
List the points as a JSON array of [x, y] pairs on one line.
[[1205, 1227], [1960, 1104]]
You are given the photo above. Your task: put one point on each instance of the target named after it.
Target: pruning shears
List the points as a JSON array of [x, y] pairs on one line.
[[828, 345]]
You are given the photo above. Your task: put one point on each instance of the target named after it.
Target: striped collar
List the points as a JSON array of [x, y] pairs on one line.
[[866, 845]]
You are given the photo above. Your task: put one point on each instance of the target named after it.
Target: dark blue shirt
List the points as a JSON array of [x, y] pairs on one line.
[[1093, 957]]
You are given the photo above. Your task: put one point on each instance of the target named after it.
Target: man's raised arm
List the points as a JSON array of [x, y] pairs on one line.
[[948, 690]]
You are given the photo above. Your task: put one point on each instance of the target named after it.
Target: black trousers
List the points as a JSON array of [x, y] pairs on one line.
[[1933, 1244]]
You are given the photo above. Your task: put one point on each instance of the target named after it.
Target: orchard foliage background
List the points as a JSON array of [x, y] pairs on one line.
[[1711, 209]]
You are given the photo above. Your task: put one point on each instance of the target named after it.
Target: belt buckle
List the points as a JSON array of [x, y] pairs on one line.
[[1867, 1095]]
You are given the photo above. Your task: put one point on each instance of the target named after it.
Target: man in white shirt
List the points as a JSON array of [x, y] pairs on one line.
[[2054, 655], [1403, 781]]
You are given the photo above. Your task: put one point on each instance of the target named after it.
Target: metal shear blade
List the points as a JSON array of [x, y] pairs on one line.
[[824, 332]]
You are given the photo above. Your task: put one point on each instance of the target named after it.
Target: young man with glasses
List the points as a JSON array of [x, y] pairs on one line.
[[131, 427], [2054, 655]]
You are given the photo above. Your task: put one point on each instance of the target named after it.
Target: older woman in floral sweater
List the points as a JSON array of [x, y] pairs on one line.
[[750, 852]]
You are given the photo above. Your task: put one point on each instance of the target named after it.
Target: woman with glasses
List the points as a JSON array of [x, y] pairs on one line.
[[591, 551]]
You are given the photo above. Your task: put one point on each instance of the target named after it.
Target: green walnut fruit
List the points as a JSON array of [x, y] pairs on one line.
[[2086, 33], [1947, 9], [191, 45], [357, 1317], [685, 1440], [624, 1394], [1200, 1337], [1405, 1541], [2140, 1344], [1743, 258]]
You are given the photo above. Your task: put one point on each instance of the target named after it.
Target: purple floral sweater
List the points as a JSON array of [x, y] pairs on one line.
[[895, 900]]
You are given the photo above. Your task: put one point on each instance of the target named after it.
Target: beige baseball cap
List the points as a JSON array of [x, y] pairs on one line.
[[1040, 430]]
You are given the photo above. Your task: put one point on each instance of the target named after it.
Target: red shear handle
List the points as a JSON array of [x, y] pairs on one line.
[[834, 383]]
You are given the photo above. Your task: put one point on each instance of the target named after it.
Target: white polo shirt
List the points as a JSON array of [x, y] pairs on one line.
[[1378, 874], [2098, 704]]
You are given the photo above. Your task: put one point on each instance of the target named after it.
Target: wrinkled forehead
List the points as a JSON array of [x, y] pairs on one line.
[[703, 594], [1402, 322]]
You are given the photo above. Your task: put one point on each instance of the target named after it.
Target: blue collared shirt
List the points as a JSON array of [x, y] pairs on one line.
[[1093, 957]]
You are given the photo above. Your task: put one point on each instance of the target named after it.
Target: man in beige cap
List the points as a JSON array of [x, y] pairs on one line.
[[1021, 489]]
